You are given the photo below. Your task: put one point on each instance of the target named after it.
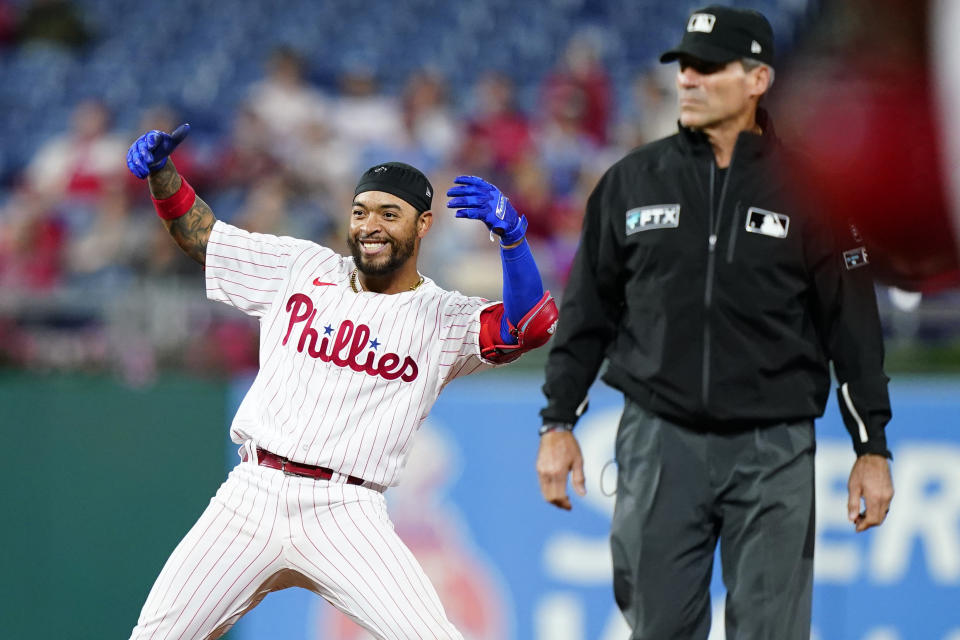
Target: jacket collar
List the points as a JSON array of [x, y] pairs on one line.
[[696, 142]]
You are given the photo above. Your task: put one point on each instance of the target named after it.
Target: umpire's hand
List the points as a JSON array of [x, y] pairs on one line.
[[870, 480], [559, 454]]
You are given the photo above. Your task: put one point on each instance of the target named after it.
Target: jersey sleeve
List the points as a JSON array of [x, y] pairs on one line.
[[460, 337], [590, 311], [846, 314], [246, 270]]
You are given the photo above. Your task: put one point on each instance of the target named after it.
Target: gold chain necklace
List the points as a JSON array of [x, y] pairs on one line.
[[355, 282]]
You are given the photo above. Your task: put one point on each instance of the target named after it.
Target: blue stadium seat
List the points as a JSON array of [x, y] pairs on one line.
[[205, 63]]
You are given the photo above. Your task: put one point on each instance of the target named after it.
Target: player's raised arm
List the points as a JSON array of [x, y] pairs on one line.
[[528, 316], [188, 218]]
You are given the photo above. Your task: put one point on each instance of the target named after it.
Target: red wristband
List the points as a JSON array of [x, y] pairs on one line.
[[178, 204]]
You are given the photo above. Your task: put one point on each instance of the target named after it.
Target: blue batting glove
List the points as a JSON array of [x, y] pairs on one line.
[[478, 199], [150, 151]]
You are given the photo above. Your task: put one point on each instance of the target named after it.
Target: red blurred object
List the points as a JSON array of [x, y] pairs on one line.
[[33, 261], [872, 151]]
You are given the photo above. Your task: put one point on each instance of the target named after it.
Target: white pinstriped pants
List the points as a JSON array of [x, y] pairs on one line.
[[265, 531]]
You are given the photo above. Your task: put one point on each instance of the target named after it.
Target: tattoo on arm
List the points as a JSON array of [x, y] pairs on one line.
[[192, 230], [164, 183]]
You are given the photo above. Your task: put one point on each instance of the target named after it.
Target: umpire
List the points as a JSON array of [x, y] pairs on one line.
[[718, 305]]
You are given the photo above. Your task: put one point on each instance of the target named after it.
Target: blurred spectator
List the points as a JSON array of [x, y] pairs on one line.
[[285, 102], [322, 165], [498, 133], [246, 155], [581, 83], [429, 130], [561, 142], [271, 206], [427, 118], [230, 345], [158, 258], [531, 193], [64, 185], [53, 21], [100, 255], [651, 112], [78, 164], [31, 245], [265, 210], [362, 115], [554, 221]]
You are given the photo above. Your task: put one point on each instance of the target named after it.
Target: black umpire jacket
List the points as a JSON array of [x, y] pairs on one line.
[[717, 301]]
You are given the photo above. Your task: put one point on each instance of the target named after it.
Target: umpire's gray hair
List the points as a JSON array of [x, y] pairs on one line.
[[749, 64]]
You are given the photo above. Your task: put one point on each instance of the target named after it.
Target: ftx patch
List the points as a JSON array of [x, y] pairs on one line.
[[657, 216]]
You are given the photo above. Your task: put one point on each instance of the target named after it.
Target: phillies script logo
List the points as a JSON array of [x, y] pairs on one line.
[[345, 349]]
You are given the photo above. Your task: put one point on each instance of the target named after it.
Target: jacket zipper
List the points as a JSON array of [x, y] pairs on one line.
[[715, 215], [734, 232], [708, 292]]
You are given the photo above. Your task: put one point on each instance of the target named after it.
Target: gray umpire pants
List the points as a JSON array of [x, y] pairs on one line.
[[678, 492]]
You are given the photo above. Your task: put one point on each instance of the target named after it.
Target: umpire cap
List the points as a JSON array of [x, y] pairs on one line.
[[724, 34]]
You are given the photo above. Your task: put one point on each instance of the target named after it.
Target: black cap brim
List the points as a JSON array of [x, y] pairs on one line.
[[700, 51], [416, 200]]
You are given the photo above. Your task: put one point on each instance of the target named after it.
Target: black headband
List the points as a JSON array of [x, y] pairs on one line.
[[402, 180]]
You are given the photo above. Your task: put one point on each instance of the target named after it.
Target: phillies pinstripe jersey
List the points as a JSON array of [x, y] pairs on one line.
[[345, 378]]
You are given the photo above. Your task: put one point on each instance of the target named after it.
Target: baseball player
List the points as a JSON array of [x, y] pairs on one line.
[[353, 353]]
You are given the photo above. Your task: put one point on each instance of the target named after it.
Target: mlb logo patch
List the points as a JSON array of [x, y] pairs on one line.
[[767, 223], [657, 216], [702, 22]]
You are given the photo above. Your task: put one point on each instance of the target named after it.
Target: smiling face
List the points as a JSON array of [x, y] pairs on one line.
[[385, 232], [712, 94]]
